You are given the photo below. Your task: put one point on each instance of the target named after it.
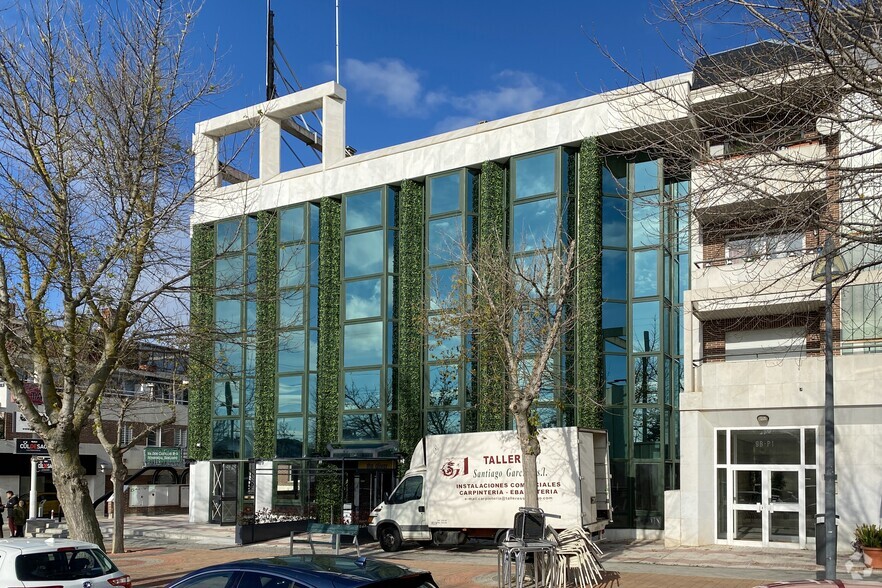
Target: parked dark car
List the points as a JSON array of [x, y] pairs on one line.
[[306, 571]]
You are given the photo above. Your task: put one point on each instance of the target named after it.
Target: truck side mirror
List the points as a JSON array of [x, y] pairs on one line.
[[386, 497]]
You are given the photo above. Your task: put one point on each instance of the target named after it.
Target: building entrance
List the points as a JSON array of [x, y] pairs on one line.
[[766, 487]]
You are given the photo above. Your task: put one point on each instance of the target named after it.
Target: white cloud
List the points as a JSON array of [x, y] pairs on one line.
[[514, 92], [400, 88], [390, 81]]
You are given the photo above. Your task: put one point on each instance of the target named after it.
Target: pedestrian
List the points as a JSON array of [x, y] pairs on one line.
[[11, 501], [20, 518], [1, 523]]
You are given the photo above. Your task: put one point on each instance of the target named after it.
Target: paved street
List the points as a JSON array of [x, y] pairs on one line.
[[157, 562], [162, 549]]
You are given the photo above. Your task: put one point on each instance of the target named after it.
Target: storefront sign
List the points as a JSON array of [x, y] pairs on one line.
[[163, 456], [31, 446], [44, 465], [21, 424]]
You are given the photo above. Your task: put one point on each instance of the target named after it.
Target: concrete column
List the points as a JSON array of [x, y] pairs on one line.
[[205, 153], [32, 506], [270, 147], [263, 486], [200, 491], [334, 130]]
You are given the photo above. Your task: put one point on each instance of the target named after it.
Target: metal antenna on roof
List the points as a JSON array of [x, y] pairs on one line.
[[337, 33], [270, 53]]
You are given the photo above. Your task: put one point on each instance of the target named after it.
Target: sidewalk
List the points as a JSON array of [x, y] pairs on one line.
[[161, 549]]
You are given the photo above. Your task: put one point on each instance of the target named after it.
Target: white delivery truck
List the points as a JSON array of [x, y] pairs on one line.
[[471, 485]]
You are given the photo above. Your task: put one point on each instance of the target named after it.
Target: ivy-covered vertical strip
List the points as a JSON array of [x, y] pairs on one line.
[[328, 489], [265, 361], [328, 377], [201, 342], [589, 207], [410, 332], [492, 205]]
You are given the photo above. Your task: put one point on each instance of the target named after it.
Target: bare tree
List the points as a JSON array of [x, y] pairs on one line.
[[94, 181], [121, 411], [789, 125], [524, 305]]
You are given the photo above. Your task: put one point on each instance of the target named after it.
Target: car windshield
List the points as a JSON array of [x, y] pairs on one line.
[[69, 564]]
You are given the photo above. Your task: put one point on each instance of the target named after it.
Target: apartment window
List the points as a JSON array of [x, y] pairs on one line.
[[180, 437], [154, 438], [126, 434], [287, 482], [752, 247], [765, 343], [862, 318]]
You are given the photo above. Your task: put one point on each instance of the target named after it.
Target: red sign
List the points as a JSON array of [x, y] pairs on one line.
[[32, 391]]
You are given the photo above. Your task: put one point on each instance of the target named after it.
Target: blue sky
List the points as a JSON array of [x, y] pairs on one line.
[[413, 69]]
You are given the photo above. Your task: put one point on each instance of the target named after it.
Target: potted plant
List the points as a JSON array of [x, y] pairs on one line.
[[869, 539]]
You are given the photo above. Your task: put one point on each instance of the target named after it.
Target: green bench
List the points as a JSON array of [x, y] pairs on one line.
[[335, 531]]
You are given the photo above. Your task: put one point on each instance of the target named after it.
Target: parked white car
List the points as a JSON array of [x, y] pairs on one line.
[[60, 563]]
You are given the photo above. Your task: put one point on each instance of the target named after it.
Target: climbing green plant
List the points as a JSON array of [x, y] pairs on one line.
[[492, 205], [201, 342], [589, 206], [265, 360], [410, 342], [328, 366], [328, 494]]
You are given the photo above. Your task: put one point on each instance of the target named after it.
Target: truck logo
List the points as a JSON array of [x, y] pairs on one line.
[[455, 466]]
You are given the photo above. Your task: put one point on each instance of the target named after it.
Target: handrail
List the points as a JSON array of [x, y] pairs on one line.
[[874, 346], [719, 261]]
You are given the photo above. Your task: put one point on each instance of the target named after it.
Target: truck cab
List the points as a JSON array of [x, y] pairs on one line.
[[402, 516]]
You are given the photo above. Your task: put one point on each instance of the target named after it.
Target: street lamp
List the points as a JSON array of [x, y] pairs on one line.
[[828, 267]]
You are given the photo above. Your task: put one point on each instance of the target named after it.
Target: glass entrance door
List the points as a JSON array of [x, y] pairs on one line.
[[766, 488], [767, 506]]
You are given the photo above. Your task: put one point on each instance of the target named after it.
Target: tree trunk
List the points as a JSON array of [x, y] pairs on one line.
[[118, 475], [529, 451], [69, 478]]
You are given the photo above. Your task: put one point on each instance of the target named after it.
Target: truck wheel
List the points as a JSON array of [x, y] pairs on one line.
[[390, 539], [501, 534]]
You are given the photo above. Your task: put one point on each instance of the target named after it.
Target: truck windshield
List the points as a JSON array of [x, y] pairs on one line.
[[409, 489]]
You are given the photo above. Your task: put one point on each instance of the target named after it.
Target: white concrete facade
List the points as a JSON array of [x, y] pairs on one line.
[[718, 395]]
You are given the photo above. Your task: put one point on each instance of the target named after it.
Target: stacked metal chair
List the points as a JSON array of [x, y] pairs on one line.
[[527, 539], [576, 560]]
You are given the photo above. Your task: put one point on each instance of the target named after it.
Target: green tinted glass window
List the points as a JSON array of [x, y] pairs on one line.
[[291, 224], [363, 210], [646, 328], [615, 222], [363, 298], [535, 225], [361, 390], [229, 236], [445, 240], [646, 273], [289, 437], [535, 175], [444, 193], [646, 225], [363, 344], [290, 394], [363, 254], [614, 274], [646, 176], [227, 399], [291, 351]]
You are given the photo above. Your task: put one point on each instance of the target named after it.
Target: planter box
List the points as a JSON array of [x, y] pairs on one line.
[[872, 557], [246, 534]]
